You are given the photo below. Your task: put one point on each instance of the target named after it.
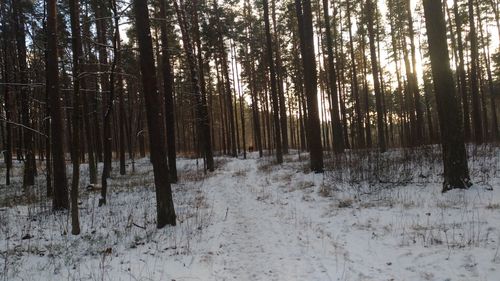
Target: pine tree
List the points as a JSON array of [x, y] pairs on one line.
[[304, 15], [456, 172], [274, 91], [60, 199], [164, 204]]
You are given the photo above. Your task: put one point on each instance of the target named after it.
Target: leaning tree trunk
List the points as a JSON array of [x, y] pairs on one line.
[[456, 172], [164, 204]]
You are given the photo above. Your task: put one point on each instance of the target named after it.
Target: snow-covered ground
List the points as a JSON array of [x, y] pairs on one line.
[[370, 217]]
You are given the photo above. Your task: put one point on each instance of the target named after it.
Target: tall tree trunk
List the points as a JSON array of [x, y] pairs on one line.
[[29, 160], [7, 135], [494, 7], [76, 45], [355, 86], [274, 92], [60, 199], [474, 62], [252, 85], [462, 74], [168, 85], [366, 93], [206, 141], [456, 172], [419, 126], [491, 89], [164, 204], [102, 79], [279, 81], [235, 94], [371, 8], [108, 94], [338, 133], [241, 103], [304, 13], [89, 134], [201, 109], [119, 87]]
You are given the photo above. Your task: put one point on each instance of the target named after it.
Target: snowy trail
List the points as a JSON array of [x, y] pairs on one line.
[[254, 220], [260, 240]]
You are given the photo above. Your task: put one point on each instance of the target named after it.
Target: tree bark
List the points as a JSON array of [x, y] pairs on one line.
[[201, 110], [456, 172], [474, 69], [29, 159], [164, 204], [274, 92], [371, 8], [355, 85], [338, 133], [462, 74], [168, 85], [60, 199], [76, 45], [304, 14]]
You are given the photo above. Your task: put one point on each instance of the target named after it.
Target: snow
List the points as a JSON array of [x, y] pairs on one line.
[[370, 218]]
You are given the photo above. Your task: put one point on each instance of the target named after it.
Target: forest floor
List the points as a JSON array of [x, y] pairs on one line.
[[370, 217]]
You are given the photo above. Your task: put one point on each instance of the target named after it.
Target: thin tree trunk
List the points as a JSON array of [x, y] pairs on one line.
[[253, 92], [119, 86], [338, 133], [168, 85], [241, 102], [419, 126], [355, 85], [474, 64], [76, 45], [108, 109], [462, 74], [274, 92], [487, 61], [279, 81], [201, 109], [371, 8]]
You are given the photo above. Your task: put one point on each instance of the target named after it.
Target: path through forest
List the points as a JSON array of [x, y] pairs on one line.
[[254, 220], [262, 237], [274, 222]]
